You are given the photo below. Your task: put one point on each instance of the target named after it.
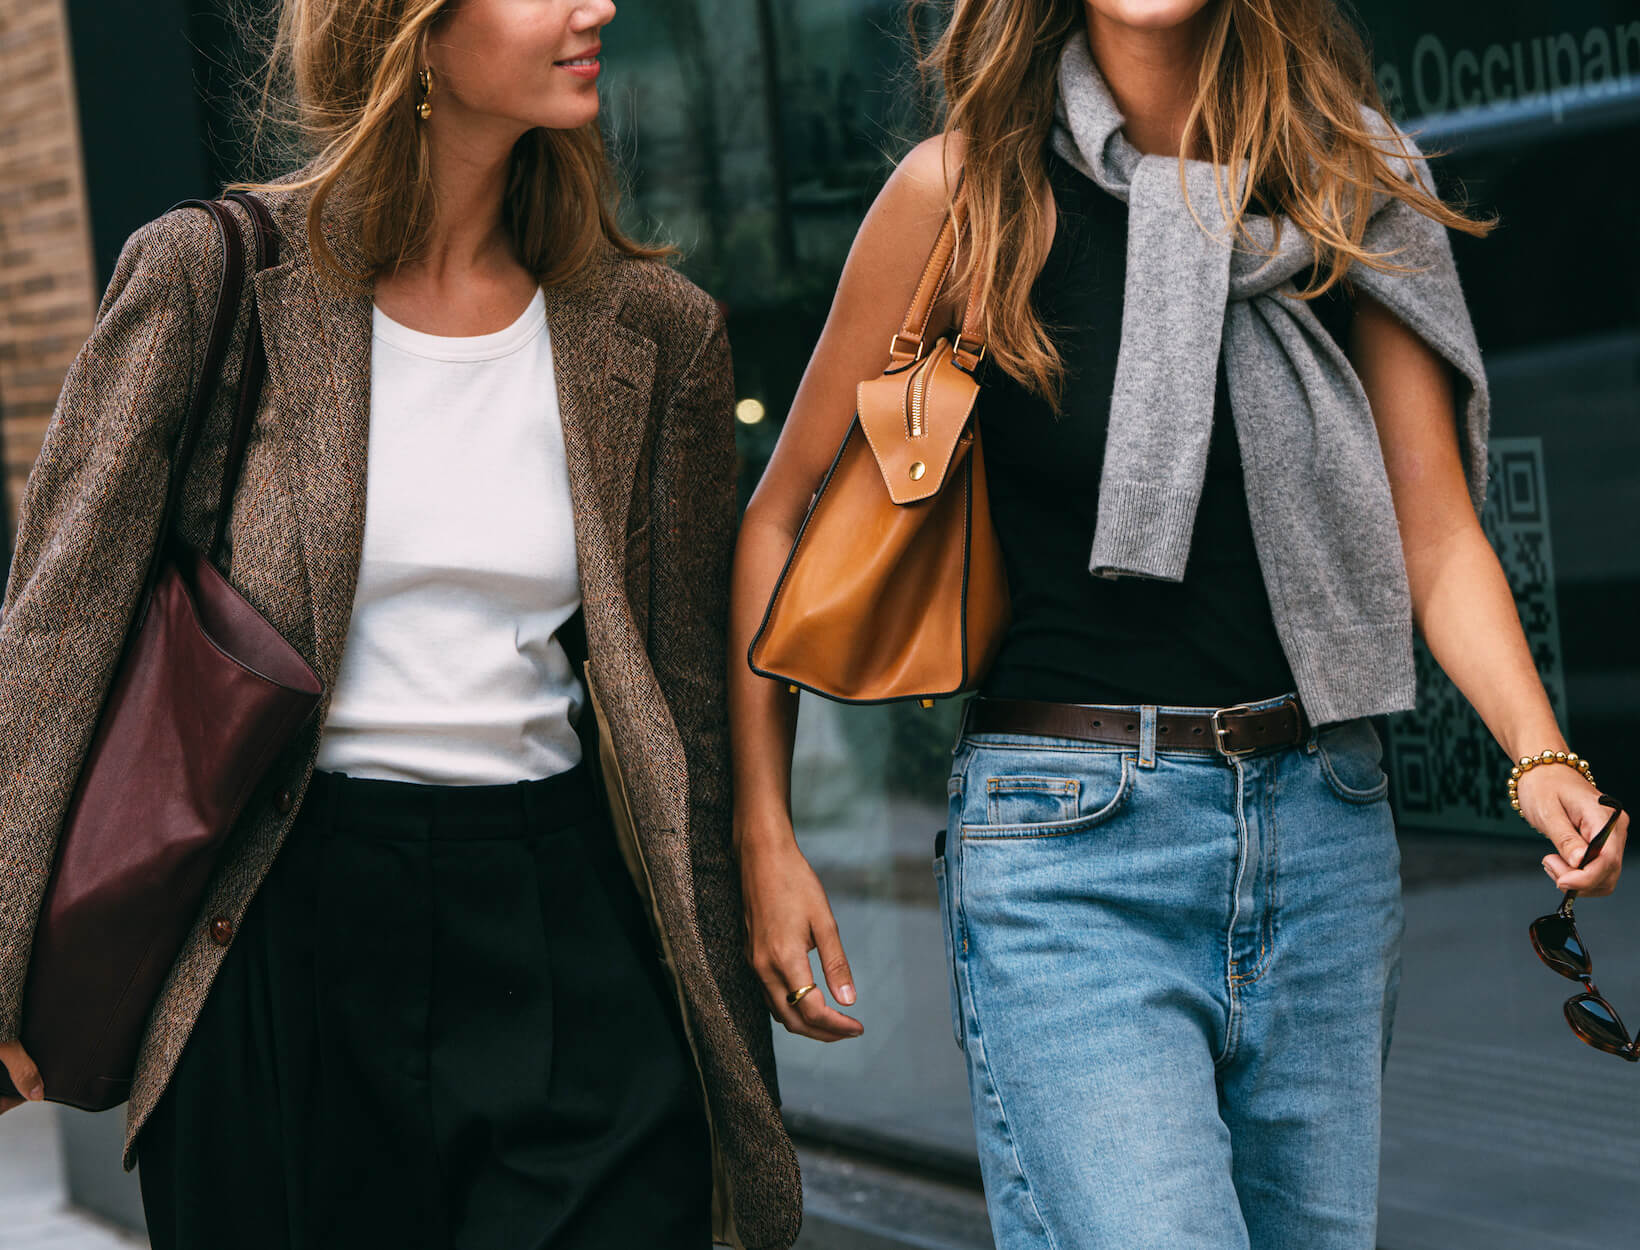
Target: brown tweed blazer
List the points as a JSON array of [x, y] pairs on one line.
[[645, 393]]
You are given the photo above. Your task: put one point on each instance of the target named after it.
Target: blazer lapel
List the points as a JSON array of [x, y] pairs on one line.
[[318, 337], [605, 373]]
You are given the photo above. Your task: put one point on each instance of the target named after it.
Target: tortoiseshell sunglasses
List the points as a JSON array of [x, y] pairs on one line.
[[1558, 944]]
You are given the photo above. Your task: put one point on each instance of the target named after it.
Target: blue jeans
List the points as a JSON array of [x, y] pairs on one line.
[[1173, 977]]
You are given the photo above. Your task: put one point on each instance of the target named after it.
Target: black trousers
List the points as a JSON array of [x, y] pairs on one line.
[[442, 1024]]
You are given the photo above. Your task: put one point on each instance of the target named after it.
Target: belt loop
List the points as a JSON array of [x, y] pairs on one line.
[[321, 793], [1147, 736], [962, 723], [528, 794]]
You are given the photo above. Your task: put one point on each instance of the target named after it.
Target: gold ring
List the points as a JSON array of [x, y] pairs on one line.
[[796, 996]]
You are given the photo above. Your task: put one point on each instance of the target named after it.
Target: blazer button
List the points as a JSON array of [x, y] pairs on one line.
[[221, 930], [282, 802]]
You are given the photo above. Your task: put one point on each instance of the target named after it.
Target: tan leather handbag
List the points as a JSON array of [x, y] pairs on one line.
[[895, 587]]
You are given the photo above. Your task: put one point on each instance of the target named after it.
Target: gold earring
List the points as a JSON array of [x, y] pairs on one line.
[[424, 110]]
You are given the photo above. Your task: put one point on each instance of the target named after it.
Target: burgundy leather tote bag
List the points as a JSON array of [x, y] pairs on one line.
[[205, 695]]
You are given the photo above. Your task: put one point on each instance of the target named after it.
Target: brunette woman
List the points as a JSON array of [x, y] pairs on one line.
[[1234, 419], [470, 970]]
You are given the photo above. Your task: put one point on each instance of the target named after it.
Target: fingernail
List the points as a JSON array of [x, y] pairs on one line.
[[845, 994], [36, 1091]]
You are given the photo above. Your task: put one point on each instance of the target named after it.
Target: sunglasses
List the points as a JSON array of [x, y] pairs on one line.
[[1558, 944]]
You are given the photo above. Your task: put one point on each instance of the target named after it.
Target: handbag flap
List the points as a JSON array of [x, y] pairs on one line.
[[913, 418]]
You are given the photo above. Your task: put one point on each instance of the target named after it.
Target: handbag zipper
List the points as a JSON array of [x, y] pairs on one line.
[[919, 394]]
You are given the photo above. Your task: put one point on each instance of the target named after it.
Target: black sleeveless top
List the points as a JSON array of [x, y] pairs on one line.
[[1207, 641]]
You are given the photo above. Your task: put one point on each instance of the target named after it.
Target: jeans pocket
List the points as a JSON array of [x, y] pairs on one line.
[[947, 933], [1351, 758], [1018, 800], [1023, 799]]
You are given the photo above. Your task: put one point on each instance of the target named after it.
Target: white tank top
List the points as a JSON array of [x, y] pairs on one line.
[[451, 673]]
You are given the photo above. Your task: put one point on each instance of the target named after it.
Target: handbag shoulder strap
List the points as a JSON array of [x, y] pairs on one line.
[[251, 371], [230, 286], [907, 344]]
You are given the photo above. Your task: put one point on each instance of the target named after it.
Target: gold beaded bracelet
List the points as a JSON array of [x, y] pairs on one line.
[[1529, 762]]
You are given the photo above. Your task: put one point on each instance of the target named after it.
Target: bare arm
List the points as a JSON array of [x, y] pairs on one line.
[[1460, 599], [787, 911]]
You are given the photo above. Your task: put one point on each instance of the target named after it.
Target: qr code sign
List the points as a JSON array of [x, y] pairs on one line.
[[1447, 770]]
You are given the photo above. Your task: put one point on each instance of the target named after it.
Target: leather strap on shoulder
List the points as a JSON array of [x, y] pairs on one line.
[[230, 287], [969, 349], [907, 345], [251, 370], [229, 283]]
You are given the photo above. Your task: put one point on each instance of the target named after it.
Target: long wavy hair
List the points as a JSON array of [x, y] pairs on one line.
[[338, 86], [1278, 95]]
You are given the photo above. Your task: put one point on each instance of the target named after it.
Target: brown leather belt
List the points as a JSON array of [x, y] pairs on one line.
[[1227, 731]]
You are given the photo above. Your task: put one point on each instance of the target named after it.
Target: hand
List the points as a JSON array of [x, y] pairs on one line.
[[24, 1075], [1560, 804], [787, 916]]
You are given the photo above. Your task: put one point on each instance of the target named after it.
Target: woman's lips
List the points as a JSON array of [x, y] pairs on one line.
[[582, 66]]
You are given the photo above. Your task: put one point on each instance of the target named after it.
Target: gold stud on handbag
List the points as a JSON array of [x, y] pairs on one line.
[[895, 588]]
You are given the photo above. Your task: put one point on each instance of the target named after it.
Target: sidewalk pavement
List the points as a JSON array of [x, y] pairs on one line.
[[33, 1193]]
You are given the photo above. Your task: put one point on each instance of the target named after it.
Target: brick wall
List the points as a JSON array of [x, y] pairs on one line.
[[47, 288]]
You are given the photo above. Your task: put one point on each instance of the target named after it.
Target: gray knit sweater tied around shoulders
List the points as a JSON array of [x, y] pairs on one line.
[[1317, 490]]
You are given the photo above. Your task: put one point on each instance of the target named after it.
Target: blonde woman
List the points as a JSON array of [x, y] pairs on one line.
[[1234, 421], [470, 971]]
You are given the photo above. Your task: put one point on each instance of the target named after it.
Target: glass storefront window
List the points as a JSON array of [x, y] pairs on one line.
[[1541, 117]]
